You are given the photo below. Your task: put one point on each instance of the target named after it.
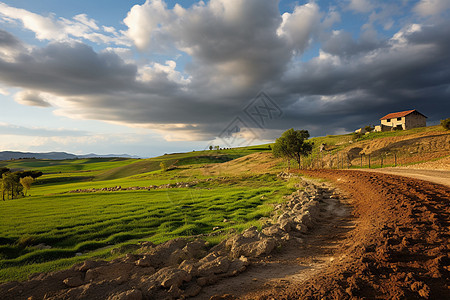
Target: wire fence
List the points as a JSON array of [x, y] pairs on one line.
[[376, 159]]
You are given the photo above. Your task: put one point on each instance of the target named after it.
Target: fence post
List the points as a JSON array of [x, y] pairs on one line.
[[395, 159], [369, 161], [381, 165], [361, 160]]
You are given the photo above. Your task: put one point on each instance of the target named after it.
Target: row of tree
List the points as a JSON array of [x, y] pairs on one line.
[[16, 184]]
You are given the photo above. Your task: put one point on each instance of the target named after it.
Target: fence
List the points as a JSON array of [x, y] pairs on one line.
[[377, 159]]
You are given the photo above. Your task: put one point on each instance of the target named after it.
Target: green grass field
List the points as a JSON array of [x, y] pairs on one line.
[[88, 225]]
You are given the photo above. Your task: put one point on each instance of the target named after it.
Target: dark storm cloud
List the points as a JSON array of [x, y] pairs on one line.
[[68, 68], [237, 51]]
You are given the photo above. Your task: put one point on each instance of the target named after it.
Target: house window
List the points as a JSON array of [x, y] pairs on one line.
[[388, 120], [399, 119]]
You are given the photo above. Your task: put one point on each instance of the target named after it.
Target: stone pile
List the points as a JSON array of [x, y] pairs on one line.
[[179, 268], [136, 188]]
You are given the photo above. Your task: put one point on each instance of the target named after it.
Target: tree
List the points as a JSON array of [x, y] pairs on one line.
[[368, 128], [446, 123], [292, 145], [26, 183], [9, 185], [163, 166], [210, 147]]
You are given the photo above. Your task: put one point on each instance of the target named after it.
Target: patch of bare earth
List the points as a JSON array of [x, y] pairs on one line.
[[295, 262], [399, 248]]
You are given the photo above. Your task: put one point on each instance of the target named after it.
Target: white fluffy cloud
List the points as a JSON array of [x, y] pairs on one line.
[[51, 28], [298, 26]]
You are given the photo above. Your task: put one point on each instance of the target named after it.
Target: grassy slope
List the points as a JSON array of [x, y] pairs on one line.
[[89, 222], [85, 223]]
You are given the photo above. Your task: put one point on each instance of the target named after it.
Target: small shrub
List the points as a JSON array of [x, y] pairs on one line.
[[357, 135], [446, 124]]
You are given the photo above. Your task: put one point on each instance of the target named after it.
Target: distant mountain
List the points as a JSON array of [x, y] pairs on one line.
[[8, 155]]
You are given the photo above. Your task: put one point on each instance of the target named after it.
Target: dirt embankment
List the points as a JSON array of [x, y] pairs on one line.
[[399, 149], [399, 248]]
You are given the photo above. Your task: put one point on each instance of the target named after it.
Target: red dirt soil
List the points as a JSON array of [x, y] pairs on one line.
[[399, 248]]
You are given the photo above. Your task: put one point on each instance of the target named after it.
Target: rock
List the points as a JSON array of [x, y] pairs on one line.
[[109, 272], [238, 266], [286, 224], [251, 232], [216, 266], [189, 266], [307, 220], [195, 249], [166, 254], [175, 292], [170, 276], [192, 290], [73, 281], [131, 258], [127, 295], [202, 281], [283, 216], [144, 262], [301, 228], [254, 249], [272, 230]]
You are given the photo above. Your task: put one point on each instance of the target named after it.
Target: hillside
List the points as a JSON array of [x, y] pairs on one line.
[[13, 155], [387, 148]]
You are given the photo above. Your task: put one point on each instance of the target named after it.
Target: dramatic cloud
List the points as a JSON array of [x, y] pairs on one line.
[[230, 50]]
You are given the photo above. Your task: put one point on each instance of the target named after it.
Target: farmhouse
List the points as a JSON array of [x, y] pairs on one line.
[[402, 120]]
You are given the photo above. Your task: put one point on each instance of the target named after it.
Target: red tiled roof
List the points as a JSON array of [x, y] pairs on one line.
[[400, 114]]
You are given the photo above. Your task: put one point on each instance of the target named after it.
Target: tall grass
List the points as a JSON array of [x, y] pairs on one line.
[[87, 223]]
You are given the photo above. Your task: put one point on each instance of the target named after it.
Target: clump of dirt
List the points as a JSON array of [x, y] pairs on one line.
[[399, 249]]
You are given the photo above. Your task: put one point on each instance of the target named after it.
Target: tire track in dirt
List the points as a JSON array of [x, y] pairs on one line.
[[399, 248]]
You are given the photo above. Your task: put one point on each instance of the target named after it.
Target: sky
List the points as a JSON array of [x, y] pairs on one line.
[[152, 77]]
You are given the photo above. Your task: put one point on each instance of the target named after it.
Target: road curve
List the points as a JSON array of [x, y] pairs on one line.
[[399, 248]]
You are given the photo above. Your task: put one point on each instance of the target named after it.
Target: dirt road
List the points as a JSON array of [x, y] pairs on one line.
[[436, 176], [399, 248]]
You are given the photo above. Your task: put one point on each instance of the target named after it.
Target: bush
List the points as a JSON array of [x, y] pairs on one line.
[[357, 135], [446, 123]]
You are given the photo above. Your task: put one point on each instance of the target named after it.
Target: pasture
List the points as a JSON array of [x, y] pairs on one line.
[[53, 229]]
